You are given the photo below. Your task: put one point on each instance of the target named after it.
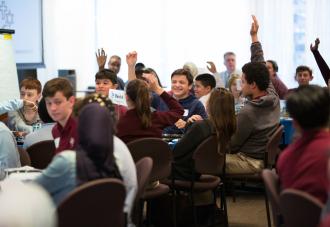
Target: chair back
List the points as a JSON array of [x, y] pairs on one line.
[[41, 153], [300, 209], [272, 147], [24, 157], [158, 151], [272, 186], [207, 158], [97, 203]]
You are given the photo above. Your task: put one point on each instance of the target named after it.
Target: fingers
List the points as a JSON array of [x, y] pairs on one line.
[[317, 41], [180, 124]]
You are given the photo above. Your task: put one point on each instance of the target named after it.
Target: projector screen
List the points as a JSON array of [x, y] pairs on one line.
[[25, 17]]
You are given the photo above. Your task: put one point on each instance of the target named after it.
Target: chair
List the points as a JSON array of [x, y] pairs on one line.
[[272, 186], [143, 171], [41, 153], [272, 151], [98, 203], [211, 164], [300, 209], [160, 153], [24, 157]]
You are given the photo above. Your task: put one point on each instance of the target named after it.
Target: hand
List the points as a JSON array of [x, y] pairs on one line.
[[180, 124], [195, 118], [254, 26], [101, 58], [29, 106], [211, 67], [316, 45], [153, 83], [131, 58]]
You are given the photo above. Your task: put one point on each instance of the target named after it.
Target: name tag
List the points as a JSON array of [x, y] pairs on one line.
[[186, 112], [57, 142]]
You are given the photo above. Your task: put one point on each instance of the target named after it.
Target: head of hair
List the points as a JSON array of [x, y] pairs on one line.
[[233, 78], [258, 73], [43, 113], [274, 64], [228, 53], [185, 73], [31, 83], [221, 112], [192, 68], [302, 68], [207, 80], [58, 84], [115, 56], [138, 92], [139, 67], [152, 71], [107, 74], [309, 105]]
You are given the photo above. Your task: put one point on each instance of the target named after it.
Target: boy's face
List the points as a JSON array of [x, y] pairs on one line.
[[303, 77], [246, 88], [200, 90], [180, 86], [59, 107], [102, 86], [29, 94]]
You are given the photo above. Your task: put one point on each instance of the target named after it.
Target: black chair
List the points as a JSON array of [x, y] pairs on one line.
[[161, 155], [98, 203], [300, 209], [41, 153]]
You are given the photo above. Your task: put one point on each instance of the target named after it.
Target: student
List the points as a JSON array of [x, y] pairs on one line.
[[58, 94], [221, 122], [258, 118], [181, 84], [92, 160], [303, 75], [279, 86], [114, 64], [106, 79], [204, 84], [139, 121], [25, 120], [303, 165], [45, 132]]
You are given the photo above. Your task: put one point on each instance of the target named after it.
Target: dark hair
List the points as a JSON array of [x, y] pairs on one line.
[[139, 67], [138, 92], [256, 72], [58, 84], [183, 72], [43, 113], [207, 80], [228, 53], [309, 105], [152, 71], [302, 68], [274, 64], [107, 74], [31, 83], [221, 112]]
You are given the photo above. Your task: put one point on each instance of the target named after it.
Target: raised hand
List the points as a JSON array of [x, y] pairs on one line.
[[29, 106], [254, 29], [211, 67], [131, 58], [316, 45], [101, 58], [153, 83]]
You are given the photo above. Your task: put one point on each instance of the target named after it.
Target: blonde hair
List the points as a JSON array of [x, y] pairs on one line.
[[233, 77]]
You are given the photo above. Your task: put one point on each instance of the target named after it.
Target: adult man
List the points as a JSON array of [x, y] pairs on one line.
[[303, 165], [279, 86], [181, 84], [204, 84], [58, 94], [114, 64], [222, 78], [259, 117]]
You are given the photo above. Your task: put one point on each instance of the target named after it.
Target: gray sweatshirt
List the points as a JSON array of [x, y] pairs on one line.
[[258, 119]]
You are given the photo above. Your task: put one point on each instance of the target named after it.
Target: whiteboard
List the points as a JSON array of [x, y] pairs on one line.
[[25, 17], [9, 88]]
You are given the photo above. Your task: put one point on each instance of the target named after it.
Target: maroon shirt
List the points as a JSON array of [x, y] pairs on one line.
[[65, 138], [303, 165], [280, 87], [130, 128]]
